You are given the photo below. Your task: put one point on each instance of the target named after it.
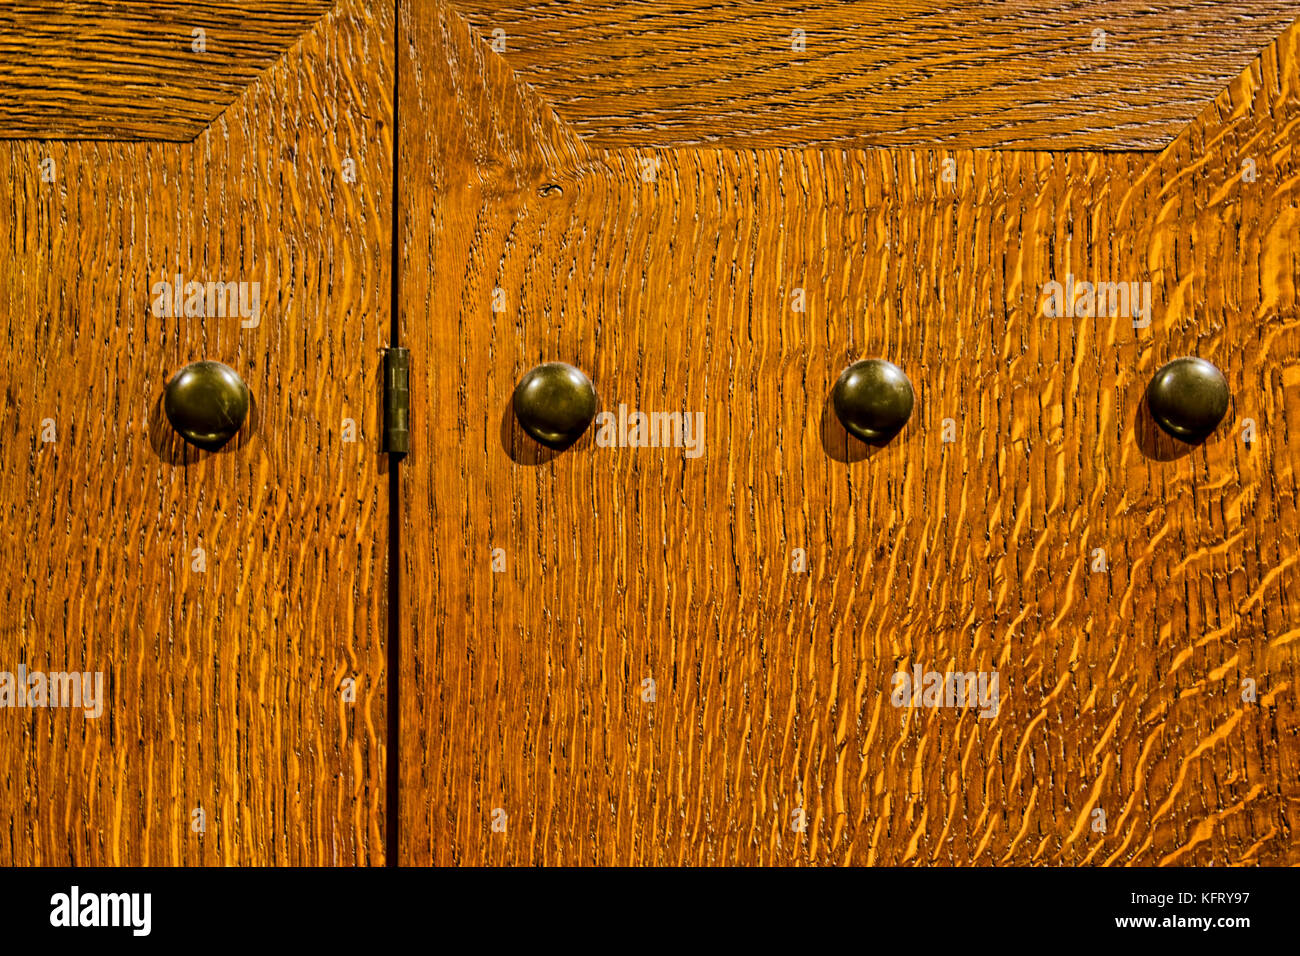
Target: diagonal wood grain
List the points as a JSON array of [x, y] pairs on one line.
[[1007, 73], [1121, 688], [223, 687], [130, 70]]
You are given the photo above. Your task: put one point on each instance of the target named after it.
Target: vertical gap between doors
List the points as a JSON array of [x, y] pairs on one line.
[[393, 778]]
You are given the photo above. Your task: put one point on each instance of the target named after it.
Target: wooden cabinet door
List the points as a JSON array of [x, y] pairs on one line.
[[641, 655], [232, 602], [637, 652]]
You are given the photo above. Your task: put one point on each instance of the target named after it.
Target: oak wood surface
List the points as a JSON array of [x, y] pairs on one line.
[[672, 285], [223, 686], [669, 275], [1024, 74], [135, 69]]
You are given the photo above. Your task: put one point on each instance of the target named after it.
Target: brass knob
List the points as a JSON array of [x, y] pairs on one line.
[[206, 402], [555, 403], [873, 398], [1188, 398]]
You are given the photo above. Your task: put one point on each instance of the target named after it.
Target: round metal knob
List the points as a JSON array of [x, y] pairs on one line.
[[1188, 398], [206, 402], [555, 403], [873, 398]]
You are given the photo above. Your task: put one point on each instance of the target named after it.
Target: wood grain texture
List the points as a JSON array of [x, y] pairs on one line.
[[1008, 73], [1121, 690], [129, 69], [223, 687]]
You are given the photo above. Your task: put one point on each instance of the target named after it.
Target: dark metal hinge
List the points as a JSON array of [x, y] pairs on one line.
[[397, 401]]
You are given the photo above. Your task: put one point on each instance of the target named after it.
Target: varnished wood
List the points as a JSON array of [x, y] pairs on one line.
[[224, 687], [1007, 73], [1122, 689], [129, 69], [668, 276]]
